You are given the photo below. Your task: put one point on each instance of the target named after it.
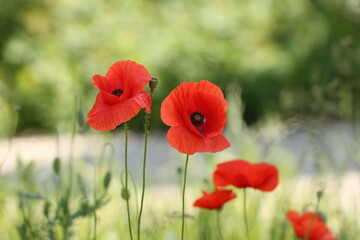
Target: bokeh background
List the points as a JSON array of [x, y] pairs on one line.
[[293, 60], [290, 70]]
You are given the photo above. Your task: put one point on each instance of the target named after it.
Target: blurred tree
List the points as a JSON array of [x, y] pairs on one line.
[[296, 59]]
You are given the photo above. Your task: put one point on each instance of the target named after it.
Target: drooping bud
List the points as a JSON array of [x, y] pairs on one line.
[[319, 194], [107, 180], [81, 118], [179, 170], [125, 194], [56, 166], [46, 209], [153, 83]]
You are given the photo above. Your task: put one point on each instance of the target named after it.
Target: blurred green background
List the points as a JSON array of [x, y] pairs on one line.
[[291, 59]]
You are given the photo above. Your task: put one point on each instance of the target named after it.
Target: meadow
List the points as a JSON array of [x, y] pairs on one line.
[[282, 88], [33, 190]]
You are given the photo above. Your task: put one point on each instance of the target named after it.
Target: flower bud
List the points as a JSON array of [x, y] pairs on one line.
[[56, 166], [46, 209], [107, 180], [153, 83], [319, 194], [125, 194]]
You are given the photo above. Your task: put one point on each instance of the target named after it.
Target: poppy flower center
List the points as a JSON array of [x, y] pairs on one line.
[[117, 92], [197, 119]]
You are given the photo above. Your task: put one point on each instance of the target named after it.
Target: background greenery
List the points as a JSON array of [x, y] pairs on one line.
[[293, 59]]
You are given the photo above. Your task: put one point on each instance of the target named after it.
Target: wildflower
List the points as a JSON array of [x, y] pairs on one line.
[[301, 225], [196, 113], [242, 174], [121, 95], [214, 200]]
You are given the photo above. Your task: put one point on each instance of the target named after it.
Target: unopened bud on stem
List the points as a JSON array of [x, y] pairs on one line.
[[153, 84]]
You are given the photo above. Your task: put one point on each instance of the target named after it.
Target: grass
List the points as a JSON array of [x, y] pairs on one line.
[[33, 197]]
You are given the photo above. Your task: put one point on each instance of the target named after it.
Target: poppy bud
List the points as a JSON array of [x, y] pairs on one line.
[[153, 83], [56, 166], [179, 170], [46, 209], [125, 194], [81, 118], [107, 180], [319, 194]]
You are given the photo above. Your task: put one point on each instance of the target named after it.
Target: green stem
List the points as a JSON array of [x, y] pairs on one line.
[[245, 216], [183, 198], [308, 230], [126, 178], [147, 116], [72, 147], [218, 223], [95, 187]]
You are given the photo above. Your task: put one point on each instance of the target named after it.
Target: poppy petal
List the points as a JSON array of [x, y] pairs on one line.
[[241, 174], [214, 200], [187, 142], [133, 75], [300, 224], [265, 177], [104, 117], [215, 116]]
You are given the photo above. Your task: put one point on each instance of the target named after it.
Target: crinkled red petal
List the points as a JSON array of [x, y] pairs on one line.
[[241, 174], [177, 107], [300, 224], [185, 141], [104, 117], [214, 200], [129, 76]]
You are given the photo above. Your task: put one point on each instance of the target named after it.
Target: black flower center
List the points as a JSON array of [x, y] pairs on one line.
[[197, 119], [117, 92]]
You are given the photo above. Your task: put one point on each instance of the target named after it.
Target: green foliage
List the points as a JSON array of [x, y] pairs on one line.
[[292, 58]]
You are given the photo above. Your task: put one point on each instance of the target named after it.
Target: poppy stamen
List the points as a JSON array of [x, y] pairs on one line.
[[117, 92], [197, 119]]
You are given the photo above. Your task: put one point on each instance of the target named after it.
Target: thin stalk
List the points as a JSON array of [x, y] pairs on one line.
[[245, 216], [147, 117], [218, 223], [183, 198], [308, 230], [95, 187], [66, 226], [126, 178], [72, 143]]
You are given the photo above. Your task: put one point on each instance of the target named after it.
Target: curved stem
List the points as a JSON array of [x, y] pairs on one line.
[[245, 216], [183, 198], [147, 117], [126, 178]]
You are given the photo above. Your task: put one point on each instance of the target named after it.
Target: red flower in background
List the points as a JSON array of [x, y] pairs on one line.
[[242, 174], [300, 223], [215, 199], [196, 113], [121, 95]]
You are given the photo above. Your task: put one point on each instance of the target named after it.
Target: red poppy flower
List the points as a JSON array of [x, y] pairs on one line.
[[121, 95], [215, 199], [196, 113], [242, 174], [300, 223]]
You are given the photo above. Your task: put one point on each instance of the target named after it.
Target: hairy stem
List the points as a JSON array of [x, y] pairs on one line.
[[183, 198]]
